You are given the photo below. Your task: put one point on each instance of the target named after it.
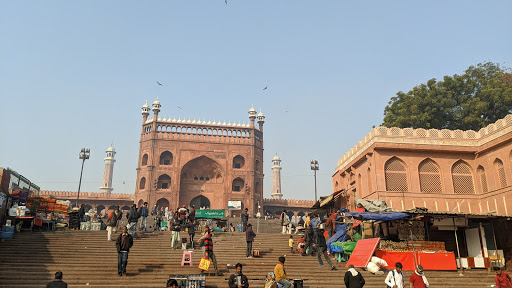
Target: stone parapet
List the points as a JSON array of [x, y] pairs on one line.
[[289, 203], [420, 136], [87, 195]]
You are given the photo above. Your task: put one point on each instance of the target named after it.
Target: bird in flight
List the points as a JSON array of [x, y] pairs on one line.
[[159, 83], [179, 107], [265, 88], [226, 1]]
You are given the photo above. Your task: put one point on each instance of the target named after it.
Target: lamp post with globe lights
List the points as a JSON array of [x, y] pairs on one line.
[[84, 154]]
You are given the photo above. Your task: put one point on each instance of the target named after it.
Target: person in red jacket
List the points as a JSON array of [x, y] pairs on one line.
[[502, 279]]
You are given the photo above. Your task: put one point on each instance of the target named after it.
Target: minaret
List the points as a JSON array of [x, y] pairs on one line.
[[109, 171], [252, 115], [276, 168], [261, 120]]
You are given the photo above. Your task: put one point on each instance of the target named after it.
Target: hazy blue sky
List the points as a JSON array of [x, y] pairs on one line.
[[75, 74]]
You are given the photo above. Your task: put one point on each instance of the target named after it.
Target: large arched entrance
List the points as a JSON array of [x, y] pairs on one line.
[[200, 202], [202, 176], [162, 203]]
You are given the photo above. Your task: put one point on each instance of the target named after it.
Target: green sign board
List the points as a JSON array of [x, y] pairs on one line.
[[210, 214]]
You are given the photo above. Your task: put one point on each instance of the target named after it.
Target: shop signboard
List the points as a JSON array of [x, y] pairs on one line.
[[207, 213], [235, 205]]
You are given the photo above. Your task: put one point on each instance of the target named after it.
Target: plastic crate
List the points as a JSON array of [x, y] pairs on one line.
[[196, 281], [6, 235], [190, 281], [8, 229]]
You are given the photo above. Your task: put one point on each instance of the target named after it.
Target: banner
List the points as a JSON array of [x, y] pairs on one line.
[[210, 214]]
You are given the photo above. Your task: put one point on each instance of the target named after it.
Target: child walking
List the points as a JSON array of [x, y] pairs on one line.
[[290, 244]]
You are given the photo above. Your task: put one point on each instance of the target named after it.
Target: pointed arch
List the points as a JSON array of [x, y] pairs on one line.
[[164, 182], [145, 159], [462, 178], [430, 177], [238, 184], [142, 183], [166, 158], [482, 178], [500, 172], [396, 175]]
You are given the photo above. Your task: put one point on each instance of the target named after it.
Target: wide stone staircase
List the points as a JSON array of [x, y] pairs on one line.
[[87, 259]]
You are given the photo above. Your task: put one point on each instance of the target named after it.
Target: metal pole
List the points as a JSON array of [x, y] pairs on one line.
[[457, 243], [80, 182], [316, 199], [412, 244]]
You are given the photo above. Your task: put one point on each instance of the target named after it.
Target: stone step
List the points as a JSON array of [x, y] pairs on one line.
[[30, 260]]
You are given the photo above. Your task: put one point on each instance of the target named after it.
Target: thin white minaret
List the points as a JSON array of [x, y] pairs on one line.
[[109, 171], [276, 169]]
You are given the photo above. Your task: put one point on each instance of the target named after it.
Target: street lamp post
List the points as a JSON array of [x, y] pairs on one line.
[[84, 154], [315, 167]]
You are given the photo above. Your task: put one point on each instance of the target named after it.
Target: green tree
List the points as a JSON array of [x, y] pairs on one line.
[[475, 99]]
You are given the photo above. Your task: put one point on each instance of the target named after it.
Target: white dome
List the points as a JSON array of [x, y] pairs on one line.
[[111, 149], [276, 158]]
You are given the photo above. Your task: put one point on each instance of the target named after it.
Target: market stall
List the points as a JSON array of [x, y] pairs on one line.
[[405, 241]]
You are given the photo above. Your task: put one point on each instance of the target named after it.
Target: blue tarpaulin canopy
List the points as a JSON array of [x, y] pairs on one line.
[[383, 216], [339, 236]]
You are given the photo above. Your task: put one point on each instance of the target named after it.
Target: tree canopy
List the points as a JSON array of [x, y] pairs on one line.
[[475, 99]]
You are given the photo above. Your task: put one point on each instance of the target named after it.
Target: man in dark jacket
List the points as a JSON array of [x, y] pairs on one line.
[[81, 213], [322, 249], [309, 239], [123, 244], [143, 214], [132, 217], [191, 226], [353, 279], [238, 280], [245, 219], [58, 283], [249, 237]]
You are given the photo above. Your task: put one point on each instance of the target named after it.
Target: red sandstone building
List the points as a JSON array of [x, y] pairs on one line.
[[442, 170], [205, 164]]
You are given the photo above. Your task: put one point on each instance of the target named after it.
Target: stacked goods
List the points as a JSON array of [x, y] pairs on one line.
[[418, 231], [389, 245], [19, 197], [427, 246], [44, 207], [61, 210], [367, 230], [74, 220]]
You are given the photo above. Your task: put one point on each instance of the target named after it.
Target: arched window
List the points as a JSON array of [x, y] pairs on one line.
[[238, 184], [482, 178], [430, 177], [164, 182], [396, 175], [257, 165], [142, 183], [166, 158], [500, 172], [462, 178], [145, 160], [238, 162]]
